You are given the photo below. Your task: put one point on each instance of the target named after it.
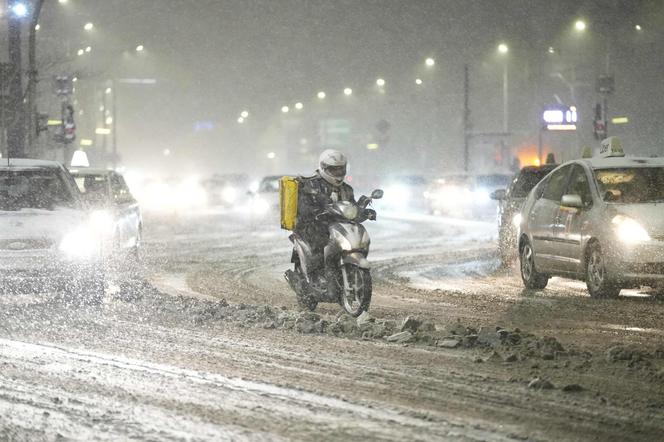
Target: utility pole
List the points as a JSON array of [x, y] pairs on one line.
[[16, 125], [33, 77], [466, 118]]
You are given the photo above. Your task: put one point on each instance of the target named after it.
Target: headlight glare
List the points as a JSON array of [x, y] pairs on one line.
[[628, 230]]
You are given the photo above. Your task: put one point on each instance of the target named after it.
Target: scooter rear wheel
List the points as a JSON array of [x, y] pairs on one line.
[[356, 290]]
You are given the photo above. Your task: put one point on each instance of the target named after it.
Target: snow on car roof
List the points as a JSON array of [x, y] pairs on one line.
[[619, 162], [28, 164], [88, 171]]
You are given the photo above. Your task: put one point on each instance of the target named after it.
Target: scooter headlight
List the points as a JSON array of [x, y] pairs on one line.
[[349, 211]]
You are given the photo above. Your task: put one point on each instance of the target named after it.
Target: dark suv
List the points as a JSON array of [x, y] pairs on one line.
[[510, 202]]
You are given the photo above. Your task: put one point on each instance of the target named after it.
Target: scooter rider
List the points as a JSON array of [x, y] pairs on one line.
[[327, 186]]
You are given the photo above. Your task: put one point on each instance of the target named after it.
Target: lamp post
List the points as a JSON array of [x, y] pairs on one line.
[[503, 49]]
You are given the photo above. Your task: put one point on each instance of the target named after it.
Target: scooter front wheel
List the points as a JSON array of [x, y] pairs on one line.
[[356, 290]]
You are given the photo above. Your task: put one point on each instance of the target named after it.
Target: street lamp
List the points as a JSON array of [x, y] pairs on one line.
[[37, 27], [580, 25], [430, 62], [638, 28], [19, 10], [63, 2], [88, 49], [348, 91], [418, 81], [240, 120], [503, 49], [80, 52], [321, 95], [140, 48], [380, 82], [244, 114], [299, 106], [88, 26], [285, 109]]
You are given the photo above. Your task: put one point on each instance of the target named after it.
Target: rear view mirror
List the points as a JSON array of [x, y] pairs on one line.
[[498, 194], [377, 194], [573, 201]]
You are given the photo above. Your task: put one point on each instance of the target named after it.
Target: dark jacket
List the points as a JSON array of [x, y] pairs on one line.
[[314, 194]]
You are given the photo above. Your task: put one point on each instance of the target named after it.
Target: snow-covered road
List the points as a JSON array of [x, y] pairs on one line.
[[169, 360]]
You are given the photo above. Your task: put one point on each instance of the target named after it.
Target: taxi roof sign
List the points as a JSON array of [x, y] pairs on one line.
[[611, 147]]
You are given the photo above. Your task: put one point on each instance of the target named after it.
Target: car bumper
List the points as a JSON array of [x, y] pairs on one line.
[[638, 264], [44, 273]]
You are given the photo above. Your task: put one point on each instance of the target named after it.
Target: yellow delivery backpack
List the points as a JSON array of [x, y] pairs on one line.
[[288, 190]]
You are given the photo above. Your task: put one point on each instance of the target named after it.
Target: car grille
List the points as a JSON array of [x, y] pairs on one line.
[[26, 244]]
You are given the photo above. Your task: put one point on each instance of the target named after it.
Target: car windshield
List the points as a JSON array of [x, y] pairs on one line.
[[526, 180], [33, 189], [92, 184], [631, 185]]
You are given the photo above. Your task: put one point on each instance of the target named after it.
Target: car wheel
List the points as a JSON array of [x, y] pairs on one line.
[[598, 283], [532, 279]]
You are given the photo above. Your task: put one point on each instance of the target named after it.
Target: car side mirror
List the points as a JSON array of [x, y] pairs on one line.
[[573, 201], [498, 194], [376, 194]]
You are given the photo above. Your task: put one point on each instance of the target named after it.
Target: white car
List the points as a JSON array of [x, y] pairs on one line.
[[49, 240], [597, 219], [107, 192]]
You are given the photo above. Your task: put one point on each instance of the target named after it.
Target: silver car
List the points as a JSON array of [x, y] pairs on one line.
[[600, 220]]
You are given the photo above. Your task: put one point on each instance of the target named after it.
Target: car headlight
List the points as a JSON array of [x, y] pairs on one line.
[[102, 222], [81, 243], [516, 220], [629, 230], [229, 195]]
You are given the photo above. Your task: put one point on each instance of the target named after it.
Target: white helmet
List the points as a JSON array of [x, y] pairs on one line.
[[332, 166]]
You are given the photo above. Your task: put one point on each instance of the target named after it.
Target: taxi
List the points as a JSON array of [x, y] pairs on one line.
[[49, 237], [597, 219], [117, 211]]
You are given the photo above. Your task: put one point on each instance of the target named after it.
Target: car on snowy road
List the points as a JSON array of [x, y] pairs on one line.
[[49, 239], [598, 219], [510, 202], [115, 207]]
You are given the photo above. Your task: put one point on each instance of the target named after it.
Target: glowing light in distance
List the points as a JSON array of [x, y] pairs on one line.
[[503, 48], [88, 26], [244, 114], [418, 81], [285, 109], [321, 95], [140, 48], [430, 62], [299, 106], [19, 10], [348, 91], [380, 82], [580, 25], [271, 155]]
